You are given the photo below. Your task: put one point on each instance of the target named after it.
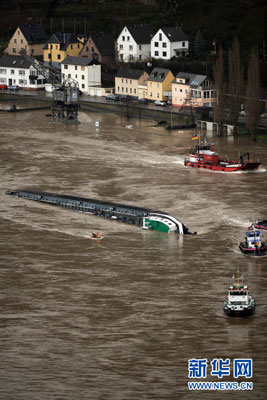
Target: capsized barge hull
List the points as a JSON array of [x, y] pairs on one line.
[[140, 216]]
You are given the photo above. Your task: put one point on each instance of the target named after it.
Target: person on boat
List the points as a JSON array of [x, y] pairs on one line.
[[98, 235], [94, 235]]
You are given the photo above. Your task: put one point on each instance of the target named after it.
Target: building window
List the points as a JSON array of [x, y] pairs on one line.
[[78, 46], [76, 68], [156, 53], [122, 81], [83, 77], [130, 81], [121, 56], [71, 46], [122, 89], [160, 36], [69, 75], [181, 90], [131, 57], [164, 54], [123, 38], [58, 56], [76, 76], [121, 46], [65, 66], [14, 50], [12, 72], [15, 40], [183, 44], [156, 44], [87, 48], [3, 71], [118, 89], [130, 47], [164, 44], [130, 90], [83, 85], [150, 94], [126, 81], [126, 90], [140, 57], [140, 47], [135, 91], [21, 41], [21, 72], [49, 56], [128, 38]]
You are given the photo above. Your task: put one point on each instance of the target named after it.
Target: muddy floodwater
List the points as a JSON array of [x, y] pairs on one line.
[[120, 319]]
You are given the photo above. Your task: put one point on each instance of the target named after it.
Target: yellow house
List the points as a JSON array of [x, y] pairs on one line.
[[159, 84], [127, 81], [59, 46]]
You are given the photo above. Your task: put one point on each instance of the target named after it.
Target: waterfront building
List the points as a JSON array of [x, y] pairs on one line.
[[59, 46], [127, 81], [133, 44], [168, 43], [28, 37], [159, 84], [192, 90], [101, 48], [16, 70], [86, 71]]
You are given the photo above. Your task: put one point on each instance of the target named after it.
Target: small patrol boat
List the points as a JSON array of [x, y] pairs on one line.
[[238, 303], [262, 224], [204, 156], [252, 243]]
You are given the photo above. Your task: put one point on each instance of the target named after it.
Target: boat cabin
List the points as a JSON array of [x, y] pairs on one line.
[[253, 238], [238, 295], [204, 153]]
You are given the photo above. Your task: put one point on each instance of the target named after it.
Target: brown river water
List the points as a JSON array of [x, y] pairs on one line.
[[119, 319]]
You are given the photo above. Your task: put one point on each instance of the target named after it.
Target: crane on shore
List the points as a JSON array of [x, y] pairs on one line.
[[65, 102]]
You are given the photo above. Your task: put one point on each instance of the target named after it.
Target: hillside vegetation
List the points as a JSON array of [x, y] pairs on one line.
[[218, 20]]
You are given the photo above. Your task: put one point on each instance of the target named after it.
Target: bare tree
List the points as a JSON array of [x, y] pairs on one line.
[[235, 83], [219, 84], [252, 99]]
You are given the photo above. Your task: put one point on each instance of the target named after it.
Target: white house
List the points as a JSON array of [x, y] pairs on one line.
[[133, 44], [86, 71], [168, 43], [16, 70]]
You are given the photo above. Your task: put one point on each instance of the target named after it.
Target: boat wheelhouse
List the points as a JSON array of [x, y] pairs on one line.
[[239, 303], [252, 244]]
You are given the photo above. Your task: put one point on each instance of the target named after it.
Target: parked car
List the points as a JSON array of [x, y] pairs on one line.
[[112, 97], [13, 87], [3, 87], [143, 101], [160, 103]]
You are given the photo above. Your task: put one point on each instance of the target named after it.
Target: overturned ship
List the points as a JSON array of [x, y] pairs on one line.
[[144, 217]]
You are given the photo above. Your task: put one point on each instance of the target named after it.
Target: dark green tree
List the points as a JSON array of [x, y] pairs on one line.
[[199, 45], [252, 99], [235, 83]]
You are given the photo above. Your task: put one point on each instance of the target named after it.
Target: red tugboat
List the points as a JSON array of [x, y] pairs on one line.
[[204, 156]]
